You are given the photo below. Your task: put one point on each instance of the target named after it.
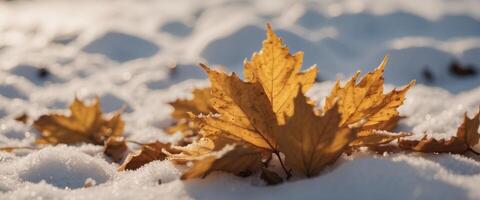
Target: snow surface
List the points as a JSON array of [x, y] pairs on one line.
[[123, 52]]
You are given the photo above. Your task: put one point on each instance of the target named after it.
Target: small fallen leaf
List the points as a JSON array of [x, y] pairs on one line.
[[466, 138], [116, 148], [84, 124], [200, 103], [310, 142], [279, 73], [149, 152], [432, 145]]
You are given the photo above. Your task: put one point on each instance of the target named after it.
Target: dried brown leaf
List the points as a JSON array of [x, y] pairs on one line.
[[432, 145], [84, 124]]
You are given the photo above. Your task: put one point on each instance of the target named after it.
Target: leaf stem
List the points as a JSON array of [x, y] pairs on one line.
[[287, 172]]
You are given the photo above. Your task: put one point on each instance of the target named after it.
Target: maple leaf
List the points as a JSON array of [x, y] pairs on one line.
[[279, 73], [310, 142], [198, 104], [149, 152], [249, 109], [243, 108], [466, 138], [365, 100], [84, 124]]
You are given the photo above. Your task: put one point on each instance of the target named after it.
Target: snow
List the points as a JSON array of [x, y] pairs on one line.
[[143, 54]]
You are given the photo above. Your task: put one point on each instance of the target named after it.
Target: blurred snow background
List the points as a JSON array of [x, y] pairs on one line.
[[143, 54]]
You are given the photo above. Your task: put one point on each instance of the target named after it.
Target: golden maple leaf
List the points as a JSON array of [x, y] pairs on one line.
[[466, 138], [244, 110], [84, 124], [198, 104], [364, 102], [310, 142], [279, 73]]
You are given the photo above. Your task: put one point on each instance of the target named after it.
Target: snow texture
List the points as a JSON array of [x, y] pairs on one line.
[[143, 54]]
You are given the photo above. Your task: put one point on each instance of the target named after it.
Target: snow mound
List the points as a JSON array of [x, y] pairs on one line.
[[176, 28], [122, 47], [63, 167], [12, 91]]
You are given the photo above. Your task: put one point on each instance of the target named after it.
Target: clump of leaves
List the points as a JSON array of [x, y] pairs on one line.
[[84, 123], [268, 113], [238, 126]]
